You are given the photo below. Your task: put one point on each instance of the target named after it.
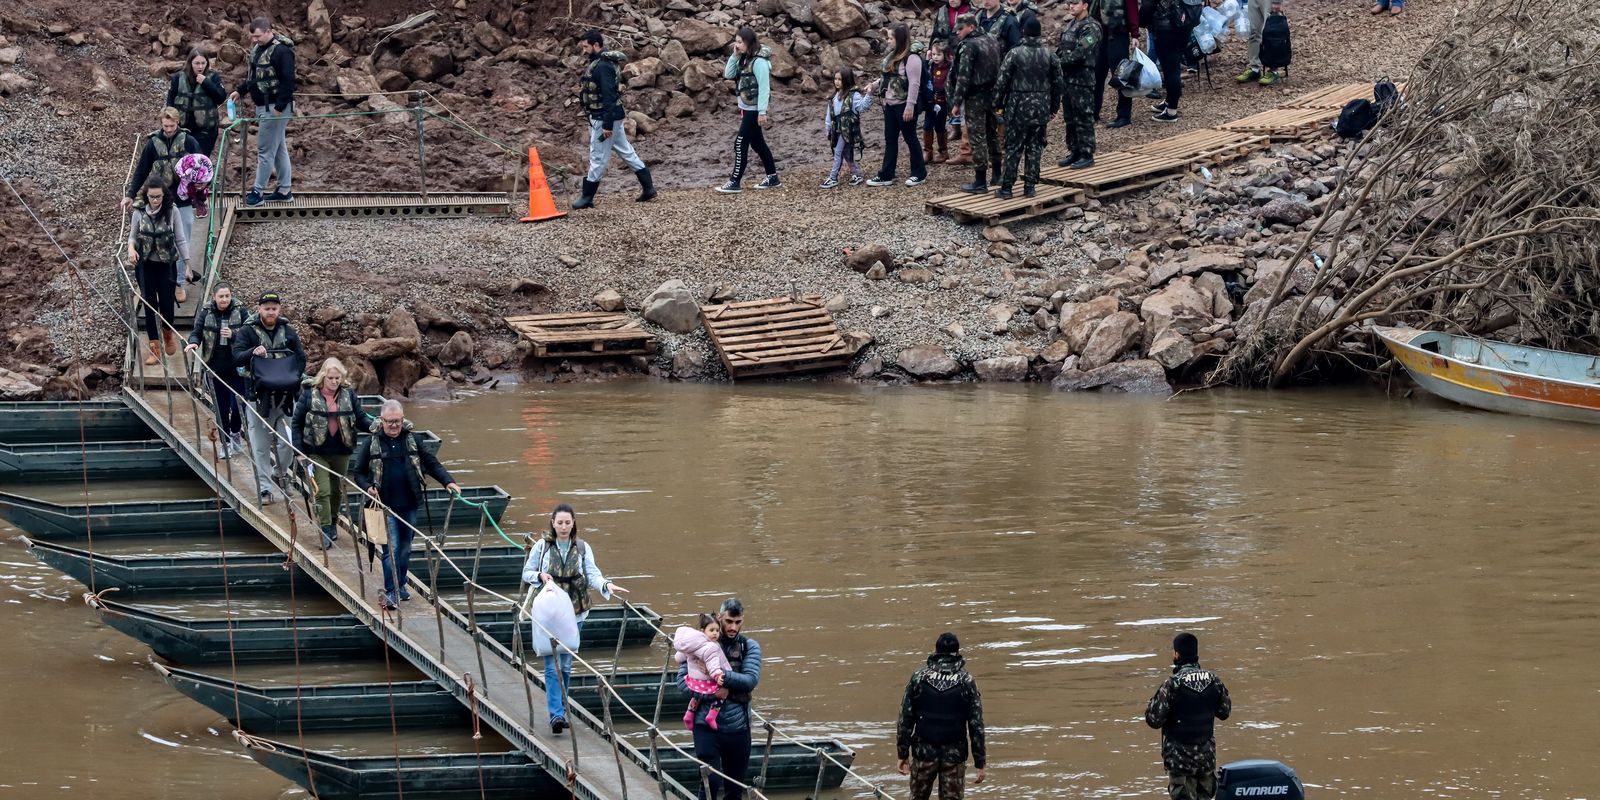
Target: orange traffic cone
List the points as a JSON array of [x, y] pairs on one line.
[[541, 206]]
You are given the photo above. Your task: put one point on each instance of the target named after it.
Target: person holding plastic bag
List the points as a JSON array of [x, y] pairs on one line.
[[1169, 39], [560, 559]]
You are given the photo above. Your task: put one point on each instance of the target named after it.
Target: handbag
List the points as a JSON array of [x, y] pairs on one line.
[[376, 524]]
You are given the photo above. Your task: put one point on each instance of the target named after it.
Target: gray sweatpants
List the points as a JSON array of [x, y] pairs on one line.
[[186, 223], [1256, 12], [272, 148], [263, 447], [600, 150]]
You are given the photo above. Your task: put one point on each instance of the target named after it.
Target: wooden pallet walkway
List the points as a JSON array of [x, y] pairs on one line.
[[583, 334], [969, 209], [1335, 97], [1116, 172], [1284, 123], [1205, 146], [776, 336]]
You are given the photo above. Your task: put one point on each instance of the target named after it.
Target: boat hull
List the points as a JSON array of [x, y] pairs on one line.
[[1432, 360], [247, 640]]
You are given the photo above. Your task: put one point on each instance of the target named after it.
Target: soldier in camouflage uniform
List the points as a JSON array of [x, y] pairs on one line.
[[1184, 708], [1077, 50], [941, 712], [971, 89], [1029, 90], [601, 97]]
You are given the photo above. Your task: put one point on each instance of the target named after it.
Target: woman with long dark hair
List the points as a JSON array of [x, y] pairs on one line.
[[901, 88], [212, 337], [157, 246], [751, 67], [197, 93]]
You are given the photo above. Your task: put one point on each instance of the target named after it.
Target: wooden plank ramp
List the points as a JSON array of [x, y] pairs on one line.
[[1335, 97], [1284, 123], [1205, 146], [969, 209], [776, 336], [1116, 172], [380, 205], [583, 334]]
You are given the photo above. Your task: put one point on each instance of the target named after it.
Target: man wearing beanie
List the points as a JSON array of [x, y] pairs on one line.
[[1184, 708], [940, 714]]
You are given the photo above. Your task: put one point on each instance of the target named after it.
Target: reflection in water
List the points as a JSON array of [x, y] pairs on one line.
[[1396, 593]]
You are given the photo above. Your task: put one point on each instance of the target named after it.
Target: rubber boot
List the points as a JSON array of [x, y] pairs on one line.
[[979, 185], [964, 152], [170, 340], [927, 148], [155, 355], [586, 199], [647, 187], [944, 155]]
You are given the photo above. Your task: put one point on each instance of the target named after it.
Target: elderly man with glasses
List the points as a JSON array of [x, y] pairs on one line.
[[390, 466]]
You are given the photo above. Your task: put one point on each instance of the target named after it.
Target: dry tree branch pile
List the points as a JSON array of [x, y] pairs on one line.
[[1473, 207]]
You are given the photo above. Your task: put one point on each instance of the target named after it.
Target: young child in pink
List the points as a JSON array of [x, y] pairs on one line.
[[701, 650]]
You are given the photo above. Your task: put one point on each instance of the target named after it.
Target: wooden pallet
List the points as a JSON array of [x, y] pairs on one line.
[[1204, 146], [588, 333], [1335, 97], [1284, 123], [968, 209], [775, 336], [1116, 172]]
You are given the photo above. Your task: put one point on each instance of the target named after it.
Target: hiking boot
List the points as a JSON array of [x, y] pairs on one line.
[[180, 294], [281, 196], [1248, 75], [877, 181], [1170, 115], [254, 198], [155, 355], [1119, 122], [769, 182], [1003, 193], [1085, 162], [1069, 160], [979, 185], [914, 181], [1268, 77], [830, 183], [1027, 190], [170, 340], [586, 195], [731, 187]]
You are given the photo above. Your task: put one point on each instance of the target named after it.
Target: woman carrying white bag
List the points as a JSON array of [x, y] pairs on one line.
[[561, 570]]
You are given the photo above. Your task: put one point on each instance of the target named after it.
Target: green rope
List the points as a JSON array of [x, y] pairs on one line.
[[481, 509]]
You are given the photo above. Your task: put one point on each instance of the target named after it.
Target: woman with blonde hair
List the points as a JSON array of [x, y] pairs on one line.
[[326, 422]]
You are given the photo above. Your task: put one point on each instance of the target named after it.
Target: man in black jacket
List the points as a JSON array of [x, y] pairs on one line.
[[268, 336], [271, 84], [390, 466], [939, 715], [726, 747], [1184, 708], [159, 156], [602, 101]]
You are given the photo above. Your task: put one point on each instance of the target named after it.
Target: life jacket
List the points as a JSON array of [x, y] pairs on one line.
[[167, 153], [568, 572], [589, 95], [944, 694], [897, 79], [847, 123], [375, 454], [749, 86], [198, 109], [315, 432], [275, 340], [1192, 701], [263, 74], [211, 321], [157, 240]]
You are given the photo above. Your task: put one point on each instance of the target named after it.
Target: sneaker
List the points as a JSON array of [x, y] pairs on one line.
[[558, 724], [238, 442], [1170, 115], [857, 180], [1268, 78], [1153, 94], [386, 601], [1119, 122], [267, 496], [1248, 76], [404, 593], [253, 199], [1159, 107], [1191, 70], [881, 182], [769, 182], [281, 197], [914, 181], [731, 187], [831, 183]]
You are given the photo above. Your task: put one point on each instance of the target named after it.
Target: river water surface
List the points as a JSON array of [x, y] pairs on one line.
[[1398, 593]]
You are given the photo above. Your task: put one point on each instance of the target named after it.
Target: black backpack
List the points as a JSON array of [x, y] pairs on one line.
[[1276, 52], [1357, 117], [1189, 13], [1385, 96], [986, 69], [925, 94]]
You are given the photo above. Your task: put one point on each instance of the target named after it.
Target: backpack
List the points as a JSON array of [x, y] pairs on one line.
[[1385, 96], [1276, 52], [276, 381], [925, 94], [1189, 13], [1162, 14], [986, 69], [1356, 118]]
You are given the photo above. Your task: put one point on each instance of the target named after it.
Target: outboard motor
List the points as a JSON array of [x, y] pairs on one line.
[[1259, 778]]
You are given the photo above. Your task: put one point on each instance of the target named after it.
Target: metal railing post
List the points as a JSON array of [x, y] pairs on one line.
[[566, 697], [422, 152], [472, 627]]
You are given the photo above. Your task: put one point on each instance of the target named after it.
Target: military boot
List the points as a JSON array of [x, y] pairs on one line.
[[1071, 157], [586, 199], [979, 185], [647, 187], [1003, 193]]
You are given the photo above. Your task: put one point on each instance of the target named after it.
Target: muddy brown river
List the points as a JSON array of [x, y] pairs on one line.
[[1399, 593]]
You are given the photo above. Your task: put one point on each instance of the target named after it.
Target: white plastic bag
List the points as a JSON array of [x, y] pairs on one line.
[[1149, 73], [1241, 27], [553, 617], [1206, 42], [1229, 9], [1211, 22]]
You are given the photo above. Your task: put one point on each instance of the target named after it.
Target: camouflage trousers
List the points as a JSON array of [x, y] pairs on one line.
[[952, 779], [1184, 786], [1023, 143], [978, 120], [1079, 117]]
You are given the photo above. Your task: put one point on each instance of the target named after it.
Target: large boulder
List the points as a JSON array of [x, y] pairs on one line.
[[1270, 272], [672, 306], [457, 351], [402, 325], [642, 73], [1003, 368], [839, 19], [1171, 350], [609, 300], [1212, 284], [385, 348], [801, 12], [400, 374], [1139, 376], [1112, 337], [427, 62], [862, 258], [927, 361], [16, 386], [1178, 308], [674, 55], [699, 36], [1078, 320], [784, 65], [701, 75]]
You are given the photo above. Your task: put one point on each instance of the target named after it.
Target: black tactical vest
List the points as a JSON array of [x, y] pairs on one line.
[[942, 703], [1192, 703]]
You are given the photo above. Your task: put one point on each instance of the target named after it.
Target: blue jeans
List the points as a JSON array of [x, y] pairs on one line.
[[553, 683], [400, 539]]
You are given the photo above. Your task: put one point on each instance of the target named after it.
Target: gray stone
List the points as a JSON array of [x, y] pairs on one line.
[[1286, 211], [457, 351], [927, 361], [869, 366], [688, 364], [609, 300], [1171, 350], [1003, 368], [837, 304], [672, 306], [1139, 376], [1178, 308]]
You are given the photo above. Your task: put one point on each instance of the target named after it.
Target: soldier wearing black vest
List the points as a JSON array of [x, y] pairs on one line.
[[601, 97], [726, 748], [939, 715], [1185, 708]]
